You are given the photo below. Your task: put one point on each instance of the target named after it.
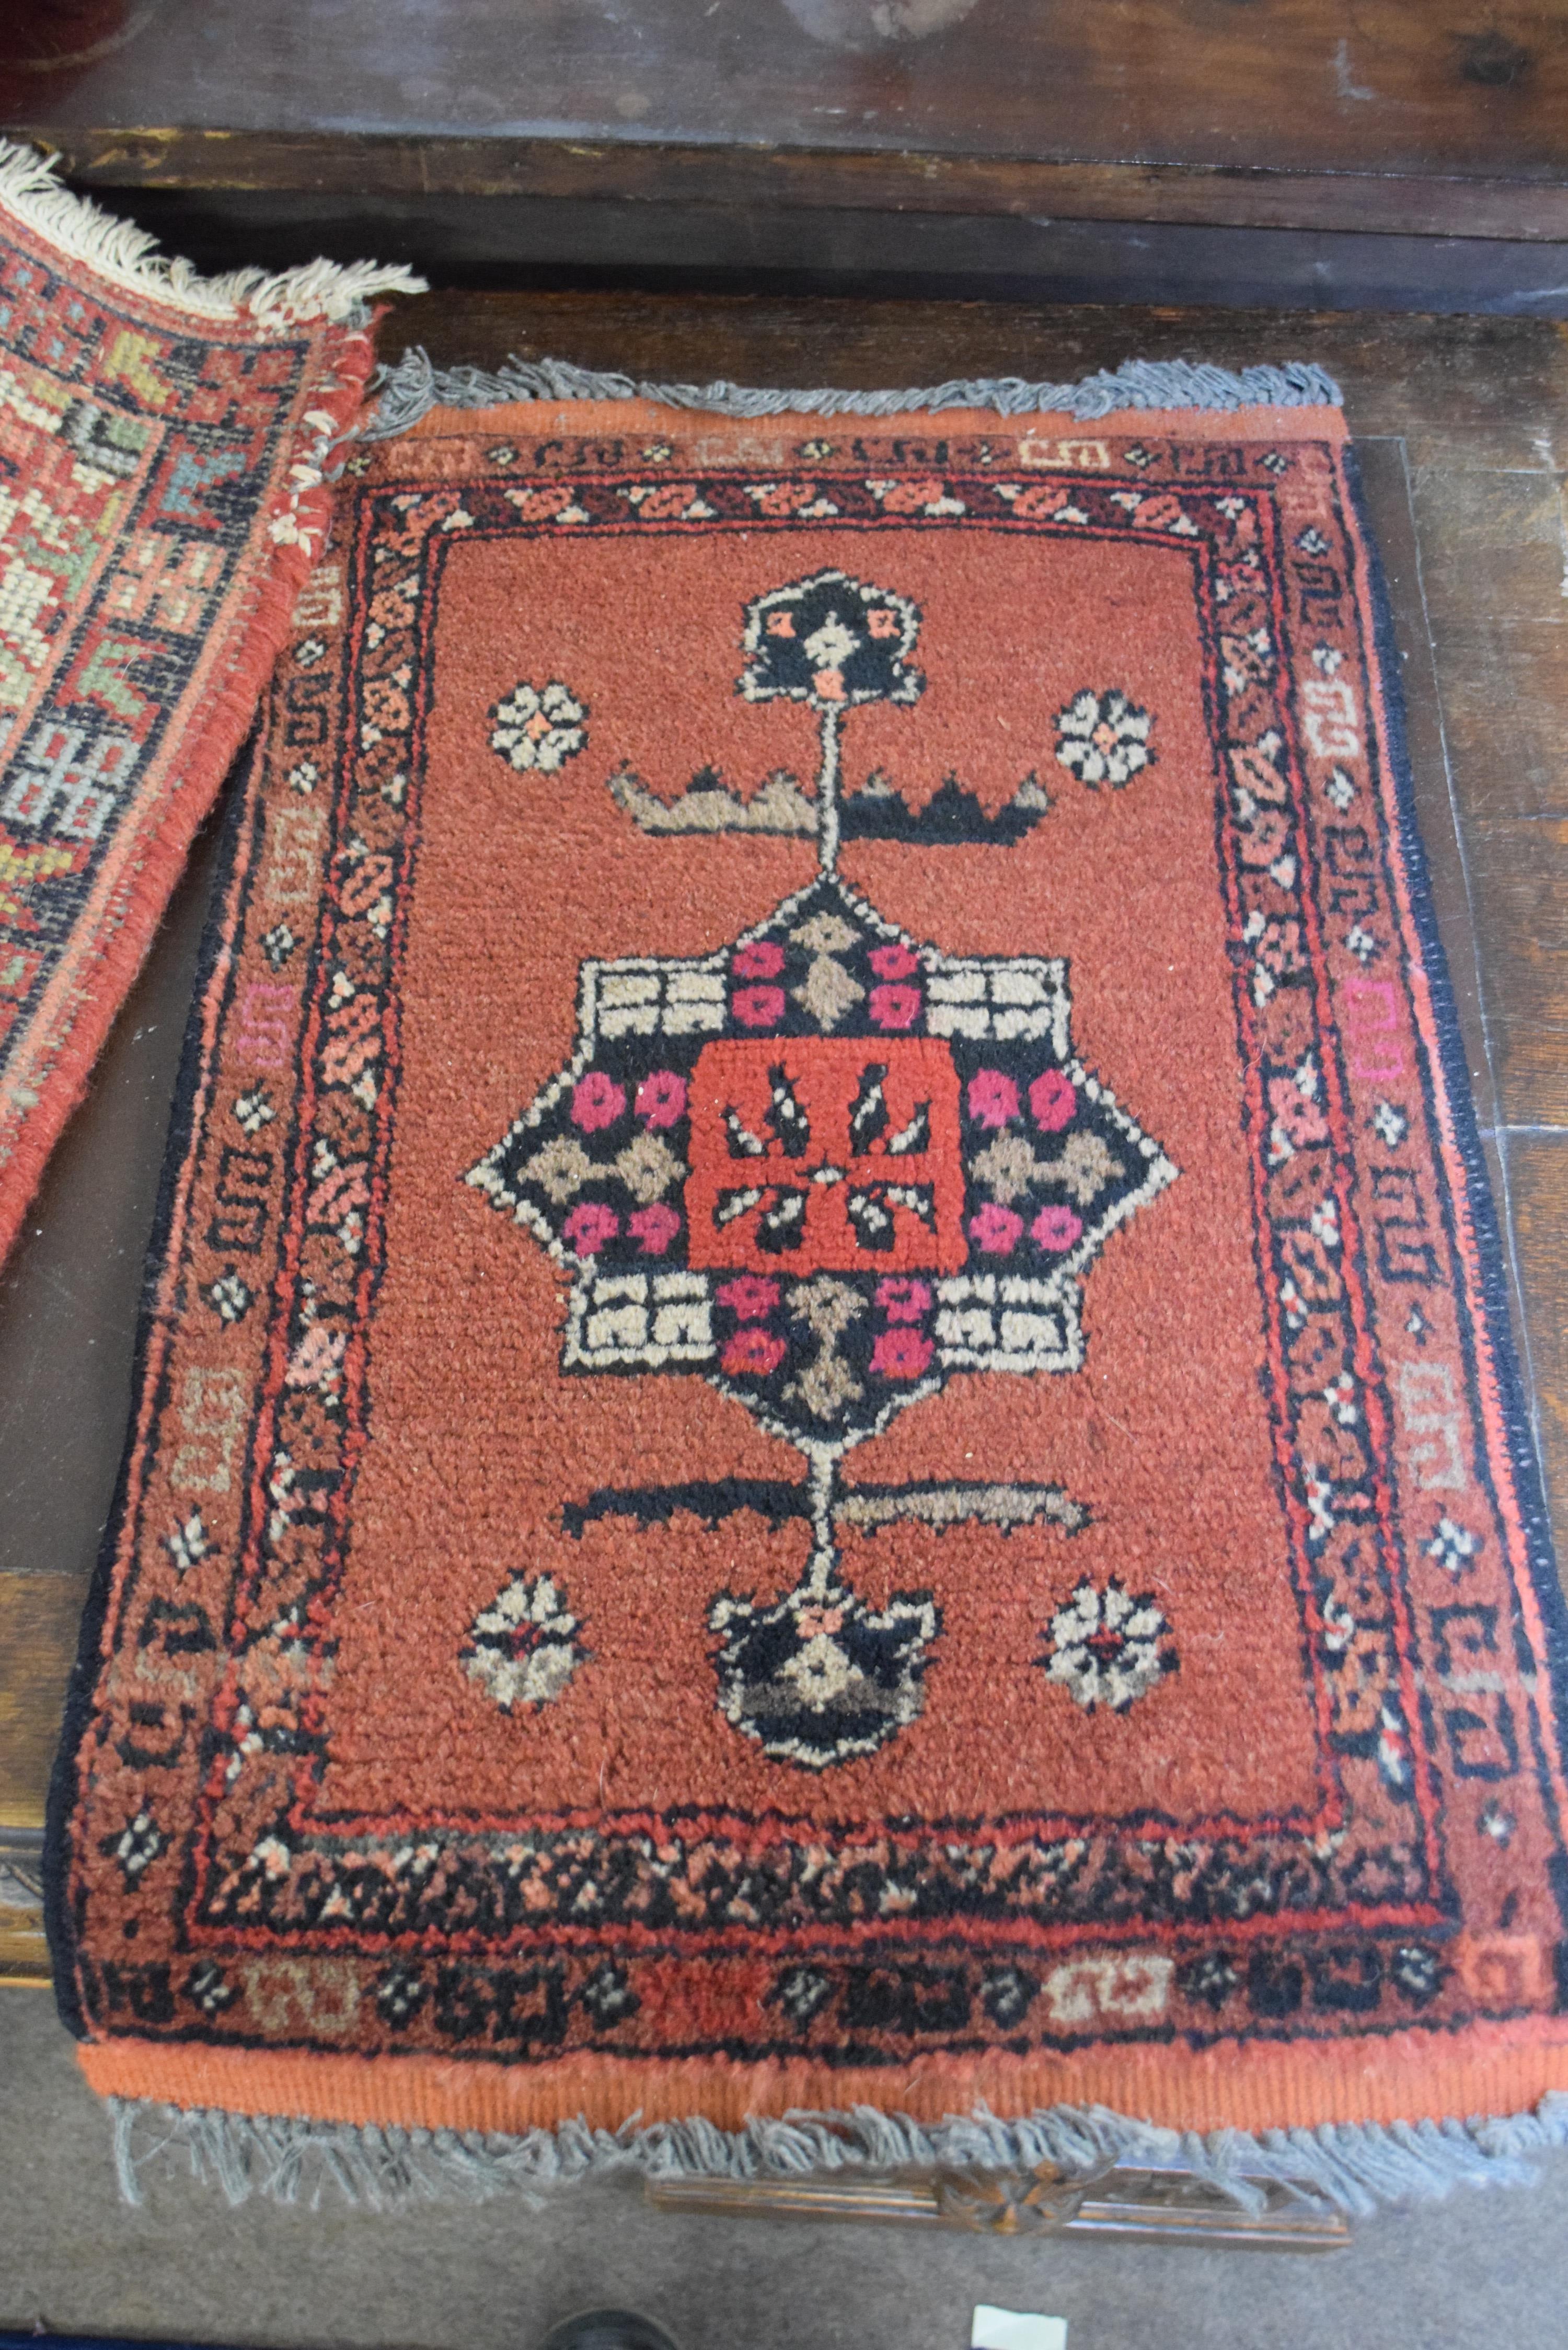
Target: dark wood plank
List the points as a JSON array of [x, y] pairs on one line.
[[1519, 874], [1503, 544], [527, 242], [1360, 114], [1385, 492], [71, 1290], [1537, 1193], [1504, 693], [1471, 391], [806, 179], [38, 1619]]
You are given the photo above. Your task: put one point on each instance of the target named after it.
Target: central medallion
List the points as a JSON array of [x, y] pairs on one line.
[[826, 1167]]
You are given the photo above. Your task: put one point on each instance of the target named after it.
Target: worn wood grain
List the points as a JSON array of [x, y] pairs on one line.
[[532, 241], [807, 179], [1519, 877], [38, 1618], [1384, 114], [1472, 391], [1505, 694], [1503, 544], [1385, 496], [1538, 1195]]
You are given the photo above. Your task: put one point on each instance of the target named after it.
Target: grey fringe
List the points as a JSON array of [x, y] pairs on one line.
[[1354, 2170], [412, 388]]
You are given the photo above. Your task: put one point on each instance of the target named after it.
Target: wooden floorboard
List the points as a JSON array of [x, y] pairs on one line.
[[1349, 114], [1465, 463], [1538, 1185]]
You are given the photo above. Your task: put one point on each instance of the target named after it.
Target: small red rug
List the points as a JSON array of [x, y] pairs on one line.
[[161, 445], [827, 1420]]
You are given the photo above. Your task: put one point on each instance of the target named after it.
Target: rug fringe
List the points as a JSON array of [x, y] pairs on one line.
[[1353, 2168], [409, 391], [31, 191]]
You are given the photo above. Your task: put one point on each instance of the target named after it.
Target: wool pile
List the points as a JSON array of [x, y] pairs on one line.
[[827, 1419], [163, 442]]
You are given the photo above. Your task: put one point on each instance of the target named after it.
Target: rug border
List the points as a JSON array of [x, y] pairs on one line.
[[58, 1925], [1492, 2070], [1492, 1259], [96, 970]]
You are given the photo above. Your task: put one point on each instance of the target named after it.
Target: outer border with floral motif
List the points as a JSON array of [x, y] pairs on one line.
[[1004, 2057]]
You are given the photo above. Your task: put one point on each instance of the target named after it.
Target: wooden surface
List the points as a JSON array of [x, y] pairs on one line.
[[1465, 450], [1424, 117]]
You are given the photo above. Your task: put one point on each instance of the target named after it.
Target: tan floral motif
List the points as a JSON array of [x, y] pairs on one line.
[[648, 1167], [827, 1307], [1107, 1647], [538, 727], [1103, 738], [525, 1649], [1007, 1166], [560, 1170]]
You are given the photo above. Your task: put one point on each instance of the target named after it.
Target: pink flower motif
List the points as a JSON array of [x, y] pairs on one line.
[[749, 1297], [995, 1230], [902, 1299], [1051, 1101], [895, 1007], [1300, 1117], [1056, 1228], [893, 962], [317, 1358], [662, 1097], [752, 1350], [882, 620], [993, 1097], [596, 1101], [902, 1353], [591, 1227], [758, 1007], [655, 1227], [761, 959], [813, 1622]]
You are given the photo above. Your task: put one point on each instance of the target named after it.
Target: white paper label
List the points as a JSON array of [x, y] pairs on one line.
[[1015, 2329]]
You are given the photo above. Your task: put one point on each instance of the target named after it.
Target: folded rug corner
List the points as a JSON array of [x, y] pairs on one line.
[[164, 439]]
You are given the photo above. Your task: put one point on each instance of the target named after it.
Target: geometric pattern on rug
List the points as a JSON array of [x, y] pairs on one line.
[[162, 447], [831, 1312]]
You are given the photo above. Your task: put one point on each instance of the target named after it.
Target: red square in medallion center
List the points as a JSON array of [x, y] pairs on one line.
[[826, 1152]]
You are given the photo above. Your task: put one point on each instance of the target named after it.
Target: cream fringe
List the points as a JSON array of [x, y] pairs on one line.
[[126, 256]]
